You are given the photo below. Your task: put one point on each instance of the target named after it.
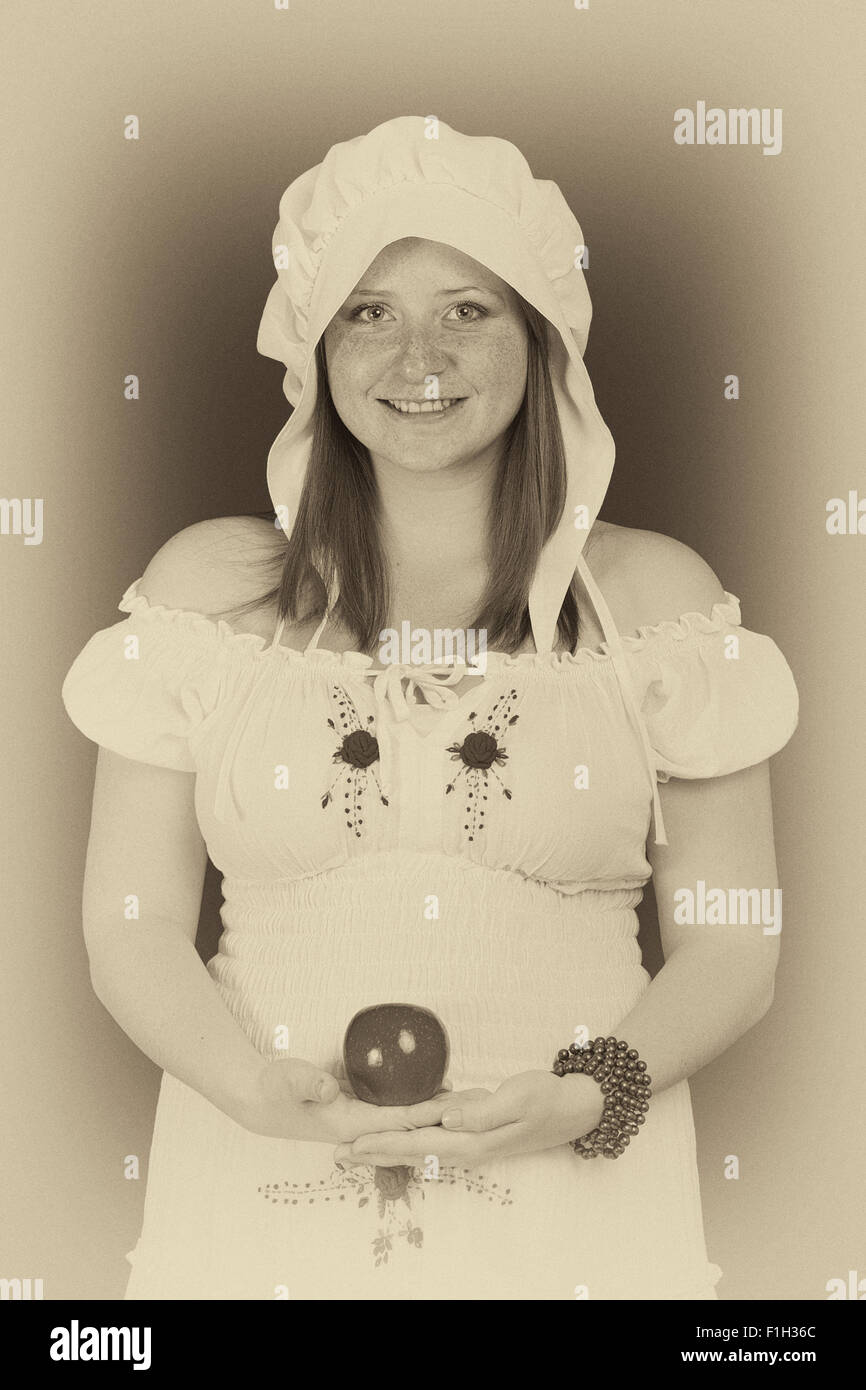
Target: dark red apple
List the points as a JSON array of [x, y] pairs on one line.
[[395, 1054]]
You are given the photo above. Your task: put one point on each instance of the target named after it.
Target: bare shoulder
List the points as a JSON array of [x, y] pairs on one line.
[[215, 566], [649, 578]]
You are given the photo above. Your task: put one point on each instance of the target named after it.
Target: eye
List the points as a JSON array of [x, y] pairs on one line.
[[467, 312], [363, 308], [477, 309]]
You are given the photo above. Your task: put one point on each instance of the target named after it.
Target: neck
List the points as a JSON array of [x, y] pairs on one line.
[[435, 523]]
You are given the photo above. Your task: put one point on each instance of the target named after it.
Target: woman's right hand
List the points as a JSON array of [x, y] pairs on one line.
[[292, 1099]]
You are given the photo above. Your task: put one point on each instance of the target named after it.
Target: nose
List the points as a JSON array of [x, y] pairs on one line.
[[421, 355]]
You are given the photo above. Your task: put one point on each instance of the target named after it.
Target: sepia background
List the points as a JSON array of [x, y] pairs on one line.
[[153, 257]]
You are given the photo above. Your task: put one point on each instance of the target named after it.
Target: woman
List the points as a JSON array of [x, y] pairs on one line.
[[469, 840]]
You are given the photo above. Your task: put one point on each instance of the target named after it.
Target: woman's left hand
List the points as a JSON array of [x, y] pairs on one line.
[[534, 1110]]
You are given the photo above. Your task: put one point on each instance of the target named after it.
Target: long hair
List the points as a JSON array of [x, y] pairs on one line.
[[336, 532]]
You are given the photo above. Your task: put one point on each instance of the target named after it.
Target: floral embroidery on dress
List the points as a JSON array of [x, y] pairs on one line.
[[349, 1184], [356, 753], [478, 752]]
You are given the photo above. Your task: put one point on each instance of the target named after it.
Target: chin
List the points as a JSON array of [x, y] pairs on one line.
[[418, 460], [430, 465]]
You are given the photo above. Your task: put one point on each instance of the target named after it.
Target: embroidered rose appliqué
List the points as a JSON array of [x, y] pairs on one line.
[[480, 753], [356, 754]]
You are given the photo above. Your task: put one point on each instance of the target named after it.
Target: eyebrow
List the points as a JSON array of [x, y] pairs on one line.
[[461, 289]]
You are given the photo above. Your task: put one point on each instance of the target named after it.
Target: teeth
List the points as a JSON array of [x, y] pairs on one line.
[[422, 407]]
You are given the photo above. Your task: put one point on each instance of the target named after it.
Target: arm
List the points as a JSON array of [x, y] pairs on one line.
[[717, 981], [145, 841]]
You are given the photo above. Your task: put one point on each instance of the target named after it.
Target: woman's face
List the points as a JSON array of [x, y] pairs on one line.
[[427, 320]]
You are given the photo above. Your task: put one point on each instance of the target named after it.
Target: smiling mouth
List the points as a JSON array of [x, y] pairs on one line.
[[436, 407]]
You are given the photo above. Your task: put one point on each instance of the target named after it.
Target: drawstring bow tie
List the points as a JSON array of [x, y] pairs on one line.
[[432, 679]]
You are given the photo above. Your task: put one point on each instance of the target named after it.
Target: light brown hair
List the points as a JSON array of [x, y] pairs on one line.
[[336, 532]]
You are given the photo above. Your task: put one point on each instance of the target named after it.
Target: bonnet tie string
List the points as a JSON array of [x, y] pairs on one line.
[[620, 662]]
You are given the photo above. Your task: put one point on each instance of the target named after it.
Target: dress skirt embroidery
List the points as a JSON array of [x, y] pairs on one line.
[[360, 1187]]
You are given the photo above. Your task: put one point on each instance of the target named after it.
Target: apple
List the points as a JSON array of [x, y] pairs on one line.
[[395, 1054]]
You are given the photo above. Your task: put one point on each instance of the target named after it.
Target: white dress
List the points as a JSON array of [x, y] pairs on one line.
[[414, 868]]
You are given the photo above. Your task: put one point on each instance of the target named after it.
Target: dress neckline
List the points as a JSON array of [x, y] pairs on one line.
[[725, 612], [436, 683], [387, 681]]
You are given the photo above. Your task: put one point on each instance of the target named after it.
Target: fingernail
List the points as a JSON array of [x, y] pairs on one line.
[[452, 1119], [319, 1088]]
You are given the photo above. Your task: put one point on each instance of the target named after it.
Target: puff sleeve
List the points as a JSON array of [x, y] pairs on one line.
[[715, 697], [143, 686]]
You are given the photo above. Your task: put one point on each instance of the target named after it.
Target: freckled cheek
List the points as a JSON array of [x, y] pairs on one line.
[[354, 366], [500, 372]]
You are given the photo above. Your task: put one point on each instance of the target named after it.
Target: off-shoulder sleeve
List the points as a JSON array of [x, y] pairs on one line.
[[715, 696], [143, 686]]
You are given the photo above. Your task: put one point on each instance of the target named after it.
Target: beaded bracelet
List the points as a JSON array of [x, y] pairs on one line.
[[626, 1087]]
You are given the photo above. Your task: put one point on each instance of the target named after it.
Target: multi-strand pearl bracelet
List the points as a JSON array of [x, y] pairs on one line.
[[626, 1087]]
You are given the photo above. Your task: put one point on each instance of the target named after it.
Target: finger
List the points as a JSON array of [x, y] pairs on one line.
[[446, 1099], [415, 1150], [475, 1114], [474, 1093], [381, 1161], [307, 1082], [396, 1148], [373, 1119], [391, 1144], [426, 1112]]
